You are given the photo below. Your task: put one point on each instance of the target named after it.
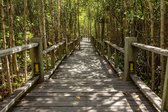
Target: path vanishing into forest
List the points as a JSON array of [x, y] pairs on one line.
[[84, 82]]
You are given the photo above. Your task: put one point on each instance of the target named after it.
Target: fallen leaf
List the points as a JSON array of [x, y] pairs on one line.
[[78, 97]]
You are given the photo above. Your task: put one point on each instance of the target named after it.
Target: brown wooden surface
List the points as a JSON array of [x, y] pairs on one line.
[[17, 49], [84, 82]]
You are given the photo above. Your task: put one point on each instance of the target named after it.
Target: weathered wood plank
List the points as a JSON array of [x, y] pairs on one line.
[[156, 50], [104, 93], [92, 83], [85, 109], [50, 90], [156, 101], [103, 86], [84, 96], [50, 72], [52, 48], [98, 103], [115, 46], [17, 49], [165, 90], [115, 83], [9, 102], [86, 80], [130, 56], [89, 94]]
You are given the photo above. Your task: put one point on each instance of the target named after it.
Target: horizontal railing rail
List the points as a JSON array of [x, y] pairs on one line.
[[115, 46], [37, 56], [156, 50], [130, 51], [17, 49], [52, 48]]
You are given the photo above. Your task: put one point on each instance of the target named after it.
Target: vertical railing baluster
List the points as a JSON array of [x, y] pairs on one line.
[[165, 91], [37, 59], [109, 51]]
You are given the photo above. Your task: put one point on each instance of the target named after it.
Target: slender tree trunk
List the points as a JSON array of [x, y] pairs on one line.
[[12, 37], [53, 21], [152, 43], [53, 30], [75, 26], [45, 28], [6, 66], [95, 24], [39, 6], [162, 40], [89, 21], [25, 36], [9, 43], [44, 24], [78, 22], [125, 22], [59, 26], [13, 59], [4, 40], [70, 21]]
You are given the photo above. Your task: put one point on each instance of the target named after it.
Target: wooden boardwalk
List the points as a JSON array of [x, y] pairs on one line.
[[84, 82]]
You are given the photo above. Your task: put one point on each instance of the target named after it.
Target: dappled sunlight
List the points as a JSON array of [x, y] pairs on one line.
[[85, 83]]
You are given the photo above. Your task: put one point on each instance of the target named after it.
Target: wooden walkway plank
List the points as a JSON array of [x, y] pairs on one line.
[[85, 82], [83, 109]]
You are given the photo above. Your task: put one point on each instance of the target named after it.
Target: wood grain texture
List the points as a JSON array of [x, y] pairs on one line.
[[8, 103], [115, 46], [84, 82], [154, 49], [17, 49], [52, 48]]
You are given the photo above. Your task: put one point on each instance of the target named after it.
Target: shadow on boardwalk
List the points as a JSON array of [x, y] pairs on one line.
[[84, 83]]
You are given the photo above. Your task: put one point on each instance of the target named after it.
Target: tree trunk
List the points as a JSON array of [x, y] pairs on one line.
[[152, 43], [162, 40], [13, 58], [78, 22], [44, 24], [25, 37], [6, 68], [59, 26]]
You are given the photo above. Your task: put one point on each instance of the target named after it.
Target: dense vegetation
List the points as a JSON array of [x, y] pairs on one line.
[[57, 20]]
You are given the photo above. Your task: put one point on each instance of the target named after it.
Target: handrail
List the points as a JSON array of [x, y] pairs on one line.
[[130, 57], [52, 47], [156, 50], [36, 55], [17, 49], [115, 46], [56, 46], [72, 41]]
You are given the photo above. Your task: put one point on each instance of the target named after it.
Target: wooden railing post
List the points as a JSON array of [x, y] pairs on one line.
[[129, 57], [52, 58], [37, 59], [165, 91], [60, 52], [79, 42], [108, 51], [116, 58], [103, 47], [65, 47]]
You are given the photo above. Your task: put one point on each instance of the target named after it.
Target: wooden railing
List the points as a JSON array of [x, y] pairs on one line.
[[37, 56], [129, 51]]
